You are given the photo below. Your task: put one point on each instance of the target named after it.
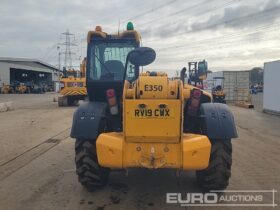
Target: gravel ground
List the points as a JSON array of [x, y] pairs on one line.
[[37, 168]]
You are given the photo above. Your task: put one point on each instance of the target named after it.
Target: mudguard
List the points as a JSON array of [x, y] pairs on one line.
[[87, 119], [217, 121]]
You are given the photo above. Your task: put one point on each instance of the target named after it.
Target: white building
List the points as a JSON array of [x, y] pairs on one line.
[[271, 93]]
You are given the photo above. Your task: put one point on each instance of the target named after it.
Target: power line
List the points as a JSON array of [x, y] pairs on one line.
[[161, 6], [222, 58], [149, 11], [242, 18], [259, 50], [152, 10], [52, 56], [203, 13], [174, 13], [219, 38], [49, 49], [122, 12], [220, 46], [170, 2]]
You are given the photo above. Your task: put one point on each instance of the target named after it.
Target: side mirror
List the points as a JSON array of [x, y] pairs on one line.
[[183, 74], [202, 69], [141, 56]]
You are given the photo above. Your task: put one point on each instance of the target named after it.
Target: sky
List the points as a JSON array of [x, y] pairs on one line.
[[229, 34]]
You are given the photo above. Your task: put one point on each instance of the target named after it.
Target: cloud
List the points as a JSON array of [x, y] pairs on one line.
[[32, 28], [242, 16]]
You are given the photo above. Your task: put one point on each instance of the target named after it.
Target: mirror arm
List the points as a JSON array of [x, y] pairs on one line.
[[125, 68], [125, 71], [182, 75]]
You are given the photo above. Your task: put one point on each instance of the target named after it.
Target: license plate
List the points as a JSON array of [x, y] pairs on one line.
[[152, 113]]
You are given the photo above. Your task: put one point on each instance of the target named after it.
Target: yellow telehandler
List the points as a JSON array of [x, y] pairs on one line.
[[145, 120], [73, 86], [6, 89], [218, 92]]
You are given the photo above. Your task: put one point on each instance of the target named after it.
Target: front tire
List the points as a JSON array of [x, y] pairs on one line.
[[216, 175], [90, 174]]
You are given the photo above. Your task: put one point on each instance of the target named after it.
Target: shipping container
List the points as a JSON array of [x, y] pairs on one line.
[[271, 93], [236, 84]]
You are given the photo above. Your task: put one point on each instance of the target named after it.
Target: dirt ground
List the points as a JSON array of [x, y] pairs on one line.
[[37, 168]]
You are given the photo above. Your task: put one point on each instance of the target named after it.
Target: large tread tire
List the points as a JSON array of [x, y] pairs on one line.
[[90, 174], [62, 101], [72, 102], [216, 175]]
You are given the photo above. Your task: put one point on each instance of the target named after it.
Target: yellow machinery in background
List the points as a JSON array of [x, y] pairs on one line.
[[218, 92], [146, 120], [22, 88], [73, 86], [196, 73], [6, 89]]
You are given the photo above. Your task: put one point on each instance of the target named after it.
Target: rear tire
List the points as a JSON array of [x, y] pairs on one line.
[[90, 174], [216, 175], [72, 100], [62, 101]]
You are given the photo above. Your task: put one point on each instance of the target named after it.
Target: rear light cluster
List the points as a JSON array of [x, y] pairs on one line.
[[194, 102], [112, 101]]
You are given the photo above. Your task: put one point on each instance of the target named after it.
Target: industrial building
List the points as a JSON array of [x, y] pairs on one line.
[[27, 70]]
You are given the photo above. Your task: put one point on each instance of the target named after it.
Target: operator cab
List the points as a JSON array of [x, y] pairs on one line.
[[218, 88], [106, 58]]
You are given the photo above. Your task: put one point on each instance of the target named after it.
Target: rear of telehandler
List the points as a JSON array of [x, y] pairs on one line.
[[146, 121], [73, 86]]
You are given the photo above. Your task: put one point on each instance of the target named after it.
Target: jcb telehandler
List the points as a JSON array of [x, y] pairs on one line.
[[218, 92], [145, 120], [6, 89], [73, 86]]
